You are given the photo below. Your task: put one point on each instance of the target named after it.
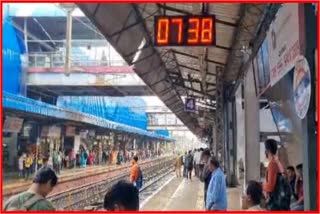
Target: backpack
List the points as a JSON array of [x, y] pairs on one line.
[[13, 203], [140, 179], [280, 198]]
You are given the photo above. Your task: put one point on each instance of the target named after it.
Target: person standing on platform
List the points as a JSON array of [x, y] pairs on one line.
[[20, 165], [195, 154], [45, 163], [78, 159], [134, 174], [217, 190], [205, 175], [185, 172], [178, 164], [55, 161], [198, 160], [40, 162], [35, 197], [278, 196], [299, 204], [72, 159], [27, 165], [201, 163], [189, 165], [291, 177], [91, 158], [84, 158]]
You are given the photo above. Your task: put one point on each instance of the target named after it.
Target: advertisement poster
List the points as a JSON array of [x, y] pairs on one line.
[[283, 40], [301, 86], [12, 124]]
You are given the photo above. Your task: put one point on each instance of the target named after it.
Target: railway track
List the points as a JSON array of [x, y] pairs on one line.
[[146, 191], [89, 196]]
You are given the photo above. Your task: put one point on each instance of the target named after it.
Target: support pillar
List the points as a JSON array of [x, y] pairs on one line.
[[68, 40], [25, 32], [309, 124], [252, 139], [219, 115], [230, 151]]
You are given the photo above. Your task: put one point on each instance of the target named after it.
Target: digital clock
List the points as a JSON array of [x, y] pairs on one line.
[[184, 30]]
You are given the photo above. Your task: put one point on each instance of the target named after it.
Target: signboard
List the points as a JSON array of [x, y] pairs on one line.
[[184, 30], [283, 39], [301, 86], [26, 130], [190, 105], [83, 134], [50, 131], [12, 124], [70, 131]]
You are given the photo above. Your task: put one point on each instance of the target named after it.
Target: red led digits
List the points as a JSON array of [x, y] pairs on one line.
[[179, 22], [193, 31], [163, 31], [206, 31]]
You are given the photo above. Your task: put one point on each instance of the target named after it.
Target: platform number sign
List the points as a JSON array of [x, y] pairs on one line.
[[190, 105]]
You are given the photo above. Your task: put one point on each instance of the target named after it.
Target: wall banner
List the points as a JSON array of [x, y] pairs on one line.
[[283, 40]]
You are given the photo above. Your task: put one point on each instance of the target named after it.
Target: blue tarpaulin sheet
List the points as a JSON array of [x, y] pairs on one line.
[[20, 103], [125, 110], [11, 57], [162, 132]]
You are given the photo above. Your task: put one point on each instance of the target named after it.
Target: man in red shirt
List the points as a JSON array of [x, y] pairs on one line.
[[274, 166], [276, 200], [134, 171]]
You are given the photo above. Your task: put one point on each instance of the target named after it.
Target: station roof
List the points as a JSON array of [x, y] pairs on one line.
[[177, 72], [30, 106]]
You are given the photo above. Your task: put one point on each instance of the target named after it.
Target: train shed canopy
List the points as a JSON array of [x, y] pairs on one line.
[[174, 73]]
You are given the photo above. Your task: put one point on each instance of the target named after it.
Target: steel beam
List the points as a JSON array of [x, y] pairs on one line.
[[196, 57]]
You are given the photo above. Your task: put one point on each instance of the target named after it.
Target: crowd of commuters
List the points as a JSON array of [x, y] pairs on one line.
[[282, 190], [60, 160]]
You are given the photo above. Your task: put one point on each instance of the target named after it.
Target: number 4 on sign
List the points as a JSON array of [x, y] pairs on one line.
[[190, 105]]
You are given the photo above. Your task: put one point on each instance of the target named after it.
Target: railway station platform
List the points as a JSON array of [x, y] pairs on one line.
[[183, 194]]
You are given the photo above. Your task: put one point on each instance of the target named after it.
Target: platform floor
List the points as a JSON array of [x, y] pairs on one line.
[[183, 194]]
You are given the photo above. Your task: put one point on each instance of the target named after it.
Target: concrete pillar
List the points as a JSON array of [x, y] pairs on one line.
[[11, 143], [68, 40], [310, 145], [252, 139]]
